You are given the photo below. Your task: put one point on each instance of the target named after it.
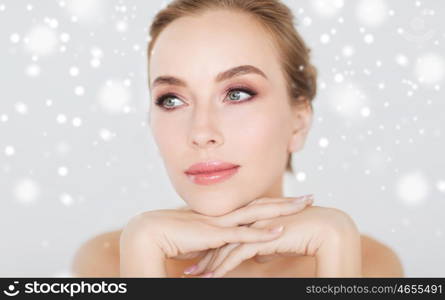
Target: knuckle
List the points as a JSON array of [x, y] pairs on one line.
[[260, 224]]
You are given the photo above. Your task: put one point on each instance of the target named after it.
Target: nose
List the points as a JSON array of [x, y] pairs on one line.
[[204, 131]]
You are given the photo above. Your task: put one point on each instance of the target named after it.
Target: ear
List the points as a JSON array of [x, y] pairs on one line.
[[302, 114]]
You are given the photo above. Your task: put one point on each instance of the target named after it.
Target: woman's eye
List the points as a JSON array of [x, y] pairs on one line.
[[236, 95], [167, 101]]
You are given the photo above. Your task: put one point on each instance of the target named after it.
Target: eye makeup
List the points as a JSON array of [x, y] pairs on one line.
[[160, 101]]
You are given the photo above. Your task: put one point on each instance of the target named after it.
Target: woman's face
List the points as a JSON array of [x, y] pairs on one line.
[[207, 122]]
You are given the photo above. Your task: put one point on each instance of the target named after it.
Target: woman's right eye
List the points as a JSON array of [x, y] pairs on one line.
[[164, 100]]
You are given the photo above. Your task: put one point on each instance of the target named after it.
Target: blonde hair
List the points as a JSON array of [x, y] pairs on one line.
[[277, 19]]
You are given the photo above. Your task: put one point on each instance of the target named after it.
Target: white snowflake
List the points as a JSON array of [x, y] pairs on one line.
[[413, 188], [301, 176], [106, 134], [86, 10], [121, 26], [77, 122], [402, 60], [65, 37], [62, 171], [327, 8], [21, 108], [66, 199], [323, 142], [74, 71], [372, 12], [9, 150], [430, 68], [61, 119], [26, 191], [325, 38], [348, 50], [369, 38], [14, 38], [347, 99], [365, 111], [41, 40], [114, 96], [79, 90], [32, 70], [441, 186]]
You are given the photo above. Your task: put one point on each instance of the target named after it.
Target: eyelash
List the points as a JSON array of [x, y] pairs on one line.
[[159, 101]]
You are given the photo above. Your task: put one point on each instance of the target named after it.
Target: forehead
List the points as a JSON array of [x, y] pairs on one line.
[[202, 46]]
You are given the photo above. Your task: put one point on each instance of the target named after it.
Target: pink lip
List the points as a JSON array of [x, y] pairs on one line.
[[211, 172]]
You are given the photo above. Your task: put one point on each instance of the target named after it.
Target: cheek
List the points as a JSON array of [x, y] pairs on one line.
[[167, 136], [261, 133]]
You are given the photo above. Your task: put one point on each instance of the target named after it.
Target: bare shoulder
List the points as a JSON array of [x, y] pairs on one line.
[[379, 260], [98, 256]]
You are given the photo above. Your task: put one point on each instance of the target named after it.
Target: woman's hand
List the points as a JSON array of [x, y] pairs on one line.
[[327, 233], [172, 233]]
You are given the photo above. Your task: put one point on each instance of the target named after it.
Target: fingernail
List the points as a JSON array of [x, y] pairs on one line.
[[207, 275], [190, 269], [277, 229]]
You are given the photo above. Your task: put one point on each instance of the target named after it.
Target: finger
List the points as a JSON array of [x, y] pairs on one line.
[[235, 258], [215, 254], [278, 200], [266, 222], [260, 211], [190, 255], [200, 266], [266, 258], [220, 256], [243, 234]]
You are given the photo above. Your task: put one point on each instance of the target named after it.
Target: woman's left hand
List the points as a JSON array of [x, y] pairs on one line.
[[329, 234]]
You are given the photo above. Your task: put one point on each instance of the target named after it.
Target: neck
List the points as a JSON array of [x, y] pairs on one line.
[[276, 189]]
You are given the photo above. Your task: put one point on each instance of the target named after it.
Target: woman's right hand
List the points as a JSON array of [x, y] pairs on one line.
[[185, 234]]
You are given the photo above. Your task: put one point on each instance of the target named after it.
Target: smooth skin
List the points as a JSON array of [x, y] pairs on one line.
[[257, 133], [168, 255], [153, 236]]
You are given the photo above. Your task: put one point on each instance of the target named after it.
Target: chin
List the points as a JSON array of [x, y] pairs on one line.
[[213, 206], [212, 210], [214, 200]]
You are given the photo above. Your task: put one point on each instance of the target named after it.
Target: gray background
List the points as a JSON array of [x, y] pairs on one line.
[[77, 158]]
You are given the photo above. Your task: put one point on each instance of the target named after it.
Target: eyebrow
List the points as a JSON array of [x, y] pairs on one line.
[[233, 72]]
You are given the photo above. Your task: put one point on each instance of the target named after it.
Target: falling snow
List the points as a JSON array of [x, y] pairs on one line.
[[114, 96], [327, 8], [26, 191], [430, 68], [372, 13], [413, 188], [41, 40], [76, 69]]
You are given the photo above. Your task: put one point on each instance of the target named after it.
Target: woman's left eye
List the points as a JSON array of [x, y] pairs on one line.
[[235, 94]]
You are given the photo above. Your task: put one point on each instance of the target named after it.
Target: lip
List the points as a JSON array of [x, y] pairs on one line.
[[211, 172]]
